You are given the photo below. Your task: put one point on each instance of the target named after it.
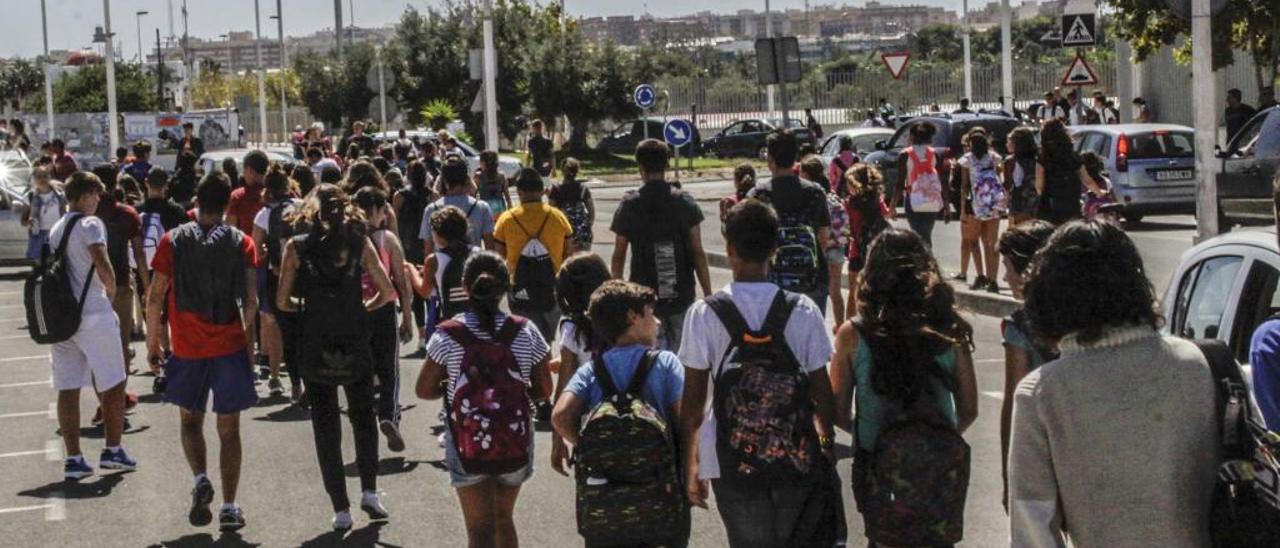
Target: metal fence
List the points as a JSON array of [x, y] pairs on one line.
[[842, 99], [297, 116]]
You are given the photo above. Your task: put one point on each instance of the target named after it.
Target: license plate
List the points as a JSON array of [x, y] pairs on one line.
[[1175, 174]]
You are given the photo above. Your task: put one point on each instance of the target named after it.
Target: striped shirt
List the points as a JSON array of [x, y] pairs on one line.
[[529, 348]]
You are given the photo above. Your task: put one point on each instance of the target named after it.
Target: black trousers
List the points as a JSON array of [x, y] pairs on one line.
[[326, 425], [385, 341]]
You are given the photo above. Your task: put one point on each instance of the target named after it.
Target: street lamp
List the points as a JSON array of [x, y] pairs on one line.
[[137, 18], [284, 65]]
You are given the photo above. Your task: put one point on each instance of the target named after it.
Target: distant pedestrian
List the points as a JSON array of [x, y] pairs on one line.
[[919, 187], [573, 198], [1020, 174], [205, 280], [491, 185], [1059, 176], [246, 201], [1105, 115], [440, 277], [1266, 97], [410, 204], [46, 204], [182, 185], [1085, 425], [534, 238], [190, 142], [488, 366], [744, 179], [541, 150], [480, 219], [159, 215], [812, 124], [970, 248], [844, 159], [124, 247], [64, 164], [1077, 112], [271, 230], [140, 166], [666, 256], [837, 250], [580, 341], [985, 201], [872, 120], [1237, 113], [964, 107], [868, 217], [903, 377], [1142, 112]]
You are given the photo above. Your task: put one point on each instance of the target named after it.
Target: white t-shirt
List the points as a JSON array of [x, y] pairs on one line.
[[705, 341], [89, 231], [49, 213], [569, 341], [319, 167]]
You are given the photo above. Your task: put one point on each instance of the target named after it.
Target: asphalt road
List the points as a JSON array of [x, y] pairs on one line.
[[281, 491]]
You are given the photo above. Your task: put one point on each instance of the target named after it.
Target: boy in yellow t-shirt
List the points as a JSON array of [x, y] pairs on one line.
[[530, 220]]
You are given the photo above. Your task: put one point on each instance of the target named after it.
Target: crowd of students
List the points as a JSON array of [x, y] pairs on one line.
[[664, 391]]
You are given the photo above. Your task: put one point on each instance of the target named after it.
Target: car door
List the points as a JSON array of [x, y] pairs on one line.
[[1257, 301], [1248, 169], [724, 142], [1203, 305]]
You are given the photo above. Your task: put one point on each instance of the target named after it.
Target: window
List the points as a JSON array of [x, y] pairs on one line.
[[1267, 145], [622, 131], [1203, 297], [866, 143], [1092, 142], [1161, 144], [734, 129], [1258, 302], [832, 147]]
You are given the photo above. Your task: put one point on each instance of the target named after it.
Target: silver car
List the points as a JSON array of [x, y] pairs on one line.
[[507, 165], [864, 141], [212, 161], [15, 177], [1152, 166]]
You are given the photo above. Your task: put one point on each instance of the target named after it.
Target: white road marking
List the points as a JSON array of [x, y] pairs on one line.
[[31, 383], [989, 360], [14, 337], [25, 358], [23, 453], [57, 509], [45, 507], [23, 414], [53, 450], [994, 394]]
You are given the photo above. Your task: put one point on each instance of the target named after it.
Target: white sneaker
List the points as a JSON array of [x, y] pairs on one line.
[[342, 521], [371, 503]]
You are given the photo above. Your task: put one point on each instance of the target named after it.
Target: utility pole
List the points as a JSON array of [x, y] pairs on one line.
[[113, 128], [968, 60], [48, 75], [170, 37], [1205, 90], [186, 62], [159, 71], [490, 77], [768, 33], [1006, 54], [137, 19], [262, 76], [337, 26], [284, 67], [382, 91]]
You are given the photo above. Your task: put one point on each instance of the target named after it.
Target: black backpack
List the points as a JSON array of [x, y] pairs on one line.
[[534, 287], [764, 416], [1245, 508], [277, 231], [412, 209], [628, 487], [49, 293], [334, 324], [453, 297]]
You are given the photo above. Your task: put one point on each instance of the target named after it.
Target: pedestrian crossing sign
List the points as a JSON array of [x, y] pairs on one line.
[[1080, 74], [1078, 29]]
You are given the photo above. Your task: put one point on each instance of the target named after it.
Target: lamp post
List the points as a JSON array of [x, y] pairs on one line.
[[137, 19], [284, 66], [262, 77], [106, 37], [48, 75]]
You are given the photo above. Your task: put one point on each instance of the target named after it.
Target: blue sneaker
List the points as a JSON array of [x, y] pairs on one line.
[[76, 468], [116, 460]]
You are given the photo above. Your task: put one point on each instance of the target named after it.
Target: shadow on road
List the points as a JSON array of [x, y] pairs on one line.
[[386, 467], [364, 536], [227, 540], [97, 433], [70, 490], [291, 413]]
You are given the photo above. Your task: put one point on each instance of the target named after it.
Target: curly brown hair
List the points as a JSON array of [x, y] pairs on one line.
[[610, 304]]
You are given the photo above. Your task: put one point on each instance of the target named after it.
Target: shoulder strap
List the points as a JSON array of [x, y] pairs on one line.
[[1226, 373], [538, 236], [510, 329], [474, 203], [722, 304], [457, 331], [602, 375], [775, 322], [642, 372], [66, 234]]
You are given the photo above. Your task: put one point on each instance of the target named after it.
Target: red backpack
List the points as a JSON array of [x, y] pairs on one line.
[[488, 412]]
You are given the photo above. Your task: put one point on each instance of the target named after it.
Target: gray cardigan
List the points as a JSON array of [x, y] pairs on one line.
[[1114, 445]]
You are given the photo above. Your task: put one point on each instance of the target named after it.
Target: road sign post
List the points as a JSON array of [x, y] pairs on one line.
[[645, 97], [677, 133]]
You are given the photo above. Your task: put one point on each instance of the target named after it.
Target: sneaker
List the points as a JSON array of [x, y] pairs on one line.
[[979, 283], [371, 503], [993, 287], [274, 387], [116, 460], [342, 521], [960, 277], [158, 385], [76, 468], [542, 411], [395, 442], [201, 498], [231, 519]]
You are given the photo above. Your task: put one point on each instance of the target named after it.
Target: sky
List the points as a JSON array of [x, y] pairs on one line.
[[71, 22]]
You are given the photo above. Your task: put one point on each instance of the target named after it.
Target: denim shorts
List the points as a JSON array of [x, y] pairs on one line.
[[458, 478], [229, 377]]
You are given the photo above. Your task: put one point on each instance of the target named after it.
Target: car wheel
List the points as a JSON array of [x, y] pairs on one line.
[[1134, 218], [762, 153]]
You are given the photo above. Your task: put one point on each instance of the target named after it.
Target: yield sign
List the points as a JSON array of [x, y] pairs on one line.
[[896, 63], [1080, 74]]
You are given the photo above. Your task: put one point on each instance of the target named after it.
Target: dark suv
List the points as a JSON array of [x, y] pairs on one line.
[[946, 142], [1248, 169], [624, 138]]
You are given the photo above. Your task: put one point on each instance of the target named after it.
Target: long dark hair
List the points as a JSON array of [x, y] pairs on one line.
[[1022, 144], [1057, 151], [486, 280], [580, 275], [907, 315], [331, 219]]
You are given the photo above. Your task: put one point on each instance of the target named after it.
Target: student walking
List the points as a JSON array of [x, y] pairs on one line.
[[270, 232], [491, 185], [205, 279], [479, 217], [93, 355], [618, 411], [1059, 174], [441, 275], [534, 238], [159, 214], [124, 247], [744, 179], [1087, 425], [410, 204], [918, 186], [868, 217], [47, 203], [1019, 175], [385, 336], [750, 335], [580, 341], [983, 203], [907, 358], [837, 250], [573, 198], [843, 160], [488, 366], [665, 256], [325, 263]]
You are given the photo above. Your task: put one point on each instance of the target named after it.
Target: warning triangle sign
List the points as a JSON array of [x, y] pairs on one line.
[[1078, 33], [1080, 74], [896, 63]]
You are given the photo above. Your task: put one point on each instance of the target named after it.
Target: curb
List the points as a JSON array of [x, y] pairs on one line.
[[977, 302]]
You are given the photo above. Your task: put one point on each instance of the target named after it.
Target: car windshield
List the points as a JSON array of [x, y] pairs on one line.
[[791, 123], [1161, 144], [902, 139]]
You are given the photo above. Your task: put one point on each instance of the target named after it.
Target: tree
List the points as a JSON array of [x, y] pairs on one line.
[[211, 88], [85, 90], [334, 89], [20, 79]]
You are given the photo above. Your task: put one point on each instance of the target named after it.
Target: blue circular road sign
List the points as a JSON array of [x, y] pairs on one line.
[[678, 132], [645, 96]]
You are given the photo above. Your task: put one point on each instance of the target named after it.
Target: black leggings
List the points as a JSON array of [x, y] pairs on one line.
[[328, 435], [420, 312], [385, 341]]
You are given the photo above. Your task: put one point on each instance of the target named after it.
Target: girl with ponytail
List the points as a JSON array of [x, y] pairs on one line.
[[579, 277], [465, 365]]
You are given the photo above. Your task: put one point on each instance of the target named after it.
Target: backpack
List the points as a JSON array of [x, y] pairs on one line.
[[912, 485], [152, 231], [579, 218], [488, 411], [1060, 201], [1245, 508], [335, 344], [924, 187], [535, 279], [764, 416], [412, 209], [453, 297], [796, 264], [840, 227], [49, 293], [628, 489], [988, 192], [277, 231]]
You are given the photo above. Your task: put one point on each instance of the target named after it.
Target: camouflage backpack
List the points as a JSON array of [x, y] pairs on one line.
[[628, 489]]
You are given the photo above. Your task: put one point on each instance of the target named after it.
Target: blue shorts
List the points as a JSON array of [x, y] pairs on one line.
[[35, 244], [459, 478], [229, 377]]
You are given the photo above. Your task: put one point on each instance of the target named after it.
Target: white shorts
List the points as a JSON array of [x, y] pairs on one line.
[[92, 357]]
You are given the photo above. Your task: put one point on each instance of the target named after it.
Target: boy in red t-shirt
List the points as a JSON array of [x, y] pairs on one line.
[[210, 268]]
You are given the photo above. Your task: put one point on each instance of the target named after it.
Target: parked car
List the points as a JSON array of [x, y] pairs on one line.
[[1248, 171], [624, 138], [507, 165], [15, 177], [1224, 288], [745, 138], [1152, 166], [212, 160], [864, 142], [946, 142]]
